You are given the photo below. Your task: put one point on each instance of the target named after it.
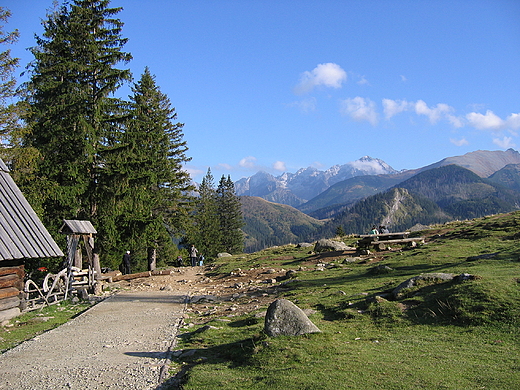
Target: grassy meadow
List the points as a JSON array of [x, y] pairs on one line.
[[444, 335]]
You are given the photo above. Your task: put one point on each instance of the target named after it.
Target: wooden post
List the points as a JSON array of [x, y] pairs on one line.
[[93, 258], [72, 245], [78, 258]]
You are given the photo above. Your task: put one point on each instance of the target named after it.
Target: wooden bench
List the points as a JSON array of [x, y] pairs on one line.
[[382, 241]]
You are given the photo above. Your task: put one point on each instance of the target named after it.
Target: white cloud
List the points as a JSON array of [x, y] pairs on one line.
[[360, 109], [513, 121], [440, 111], [247, 162], [363, 81], [459, 142], [488, 121], [403, 79], [491, 121], [373, 167], [279, 166], [394, 107], [455, 120], [504, 143], [329, 75], [433, 113]]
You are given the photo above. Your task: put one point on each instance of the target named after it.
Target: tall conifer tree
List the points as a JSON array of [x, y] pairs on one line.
[[8, 64], [230, 217], [205, 232], [144, 174], [72, 111]]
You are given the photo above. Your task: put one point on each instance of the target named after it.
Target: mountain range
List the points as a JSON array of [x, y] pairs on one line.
[[297, 188], [368, 191]]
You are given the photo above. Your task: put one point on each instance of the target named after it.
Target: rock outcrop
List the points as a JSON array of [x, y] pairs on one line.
[[284, 318]]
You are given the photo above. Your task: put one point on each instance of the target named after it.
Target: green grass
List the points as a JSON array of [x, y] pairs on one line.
[[448, 335], [36, 322]]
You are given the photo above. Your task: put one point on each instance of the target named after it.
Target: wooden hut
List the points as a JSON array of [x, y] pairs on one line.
[[22, 237]]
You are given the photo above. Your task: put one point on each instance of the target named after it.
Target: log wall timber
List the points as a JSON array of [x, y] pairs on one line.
[[11, 290]]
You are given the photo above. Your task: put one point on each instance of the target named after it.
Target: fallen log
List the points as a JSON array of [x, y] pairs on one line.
[[9, 292], [9, 303], [145, 274], [11, 280], [12, 271]]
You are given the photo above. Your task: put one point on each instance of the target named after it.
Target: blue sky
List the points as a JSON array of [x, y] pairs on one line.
[[278, 85]]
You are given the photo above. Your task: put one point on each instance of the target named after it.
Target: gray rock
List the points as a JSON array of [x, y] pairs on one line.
[[284, 318], [409, 283], [224, 254], [325, 245], [380, 269]]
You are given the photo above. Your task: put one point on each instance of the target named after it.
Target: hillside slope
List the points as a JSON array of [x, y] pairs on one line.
[[269, 224], [482, 162], [397, 208]]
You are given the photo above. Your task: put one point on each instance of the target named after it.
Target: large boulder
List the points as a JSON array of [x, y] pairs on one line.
[[224, 254], [325, 245], [284, 318]]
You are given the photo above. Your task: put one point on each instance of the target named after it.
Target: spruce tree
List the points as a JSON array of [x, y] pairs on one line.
[[205, 232], [8, 114], [143, 176], [230, 217], [72, 111], [20, 159]]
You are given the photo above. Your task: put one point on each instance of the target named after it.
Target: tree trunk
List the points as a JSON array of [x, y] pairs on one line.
[[152, 259]]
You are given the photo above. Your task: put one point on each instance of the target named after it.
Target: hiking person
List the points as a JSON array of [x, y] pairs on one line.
[[193, 255], [126, 263], [374, 230]]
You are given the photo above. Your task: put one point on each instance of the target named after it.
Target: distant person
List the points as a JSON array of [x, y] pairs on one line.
[[201, 260], [179, 261], [126, 263], [193, 255], [383, 230], [374, 230]]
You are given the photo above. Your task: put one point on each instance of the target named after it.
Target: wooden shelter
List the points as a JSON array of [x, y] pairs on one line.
[[22, 237], [77, 231]]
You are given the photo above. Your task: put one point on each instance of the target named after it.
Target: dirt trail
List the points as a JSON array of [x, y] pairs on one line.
[[123, 342]]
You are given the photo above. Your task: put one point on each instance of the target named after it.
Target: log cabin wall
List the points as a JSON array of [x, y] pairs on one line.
[[12, 275]]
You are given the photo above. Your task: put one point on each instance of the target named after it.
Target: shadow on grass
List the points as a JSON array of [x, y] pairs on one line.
[[403, 272]]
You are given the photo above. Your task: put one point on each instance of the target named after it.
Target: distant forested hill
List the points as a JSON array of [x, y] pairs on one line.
[[268, 224]]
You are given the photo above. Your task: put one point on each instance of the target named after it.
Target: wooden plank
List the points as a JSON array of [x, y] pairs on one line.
[[403, 241], [12, 271], [11, 281], [9, 292], [8, 303], [132, 276], [385, 235]]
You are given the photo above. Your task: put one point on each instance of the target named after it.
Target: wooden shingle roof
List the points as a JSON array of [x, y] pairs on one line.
[[22, 234], [71, 226]]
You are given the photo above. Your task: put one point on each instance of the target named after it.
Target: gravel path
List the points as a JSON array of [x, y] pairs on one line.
[[123, 342]]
